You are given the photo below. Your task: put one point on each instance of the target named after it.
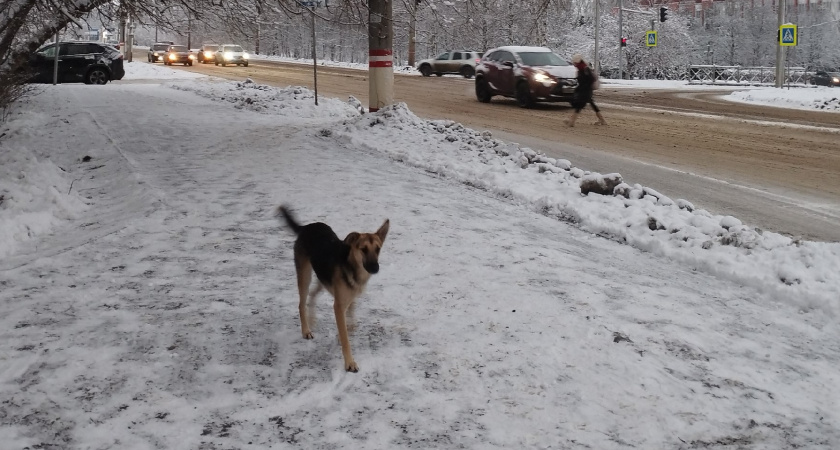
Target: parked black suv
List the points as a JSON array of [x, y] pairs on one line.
[[90, 62]]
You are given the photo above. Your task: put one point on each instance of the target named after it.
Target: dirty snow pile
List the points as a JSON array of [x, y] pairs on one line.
[[292, 100], [820, 98]]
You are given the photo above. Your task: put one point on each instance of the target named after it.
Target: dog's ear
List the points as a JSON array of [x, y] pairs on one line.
[[383, 230], [352, 238]]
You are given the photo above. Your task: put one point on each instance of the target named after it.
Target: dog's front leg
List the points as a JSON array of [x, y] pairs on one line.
[[342, 301], [304, 278]]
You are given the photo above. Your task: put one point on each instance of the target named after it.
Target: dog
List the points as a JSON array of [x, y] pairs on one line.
[[343, 268]]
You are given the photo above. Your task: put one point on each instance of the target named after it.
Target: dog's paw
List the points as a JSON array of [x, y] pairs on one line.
[[308, 335], [351, 367]]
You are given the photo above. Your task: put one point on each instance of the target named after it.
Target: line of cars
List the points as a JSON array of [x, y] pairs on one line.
[[169, 53], [526, 74]]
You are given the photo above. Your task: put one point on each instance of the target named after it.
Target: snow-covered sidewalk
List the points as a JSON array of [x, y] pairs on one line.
[[152, 303]]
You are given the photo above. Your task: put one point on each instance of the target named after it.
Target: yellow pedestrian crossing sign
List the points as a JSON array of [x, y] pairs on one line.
[[650, 40], [787, 34]]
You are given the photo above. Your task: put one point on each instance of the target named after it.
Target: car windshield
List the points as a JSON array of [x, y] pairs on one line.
[[178, 48], [233, 48], [160, 46], [542, 59]]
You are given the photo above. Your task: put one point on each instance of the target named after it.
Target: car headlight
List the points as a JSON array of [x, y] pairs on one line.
[[244, 56], [155, 54], [173, 56], [542, 78], [836, 80], [208, 55], [228, 55], [192, 56]]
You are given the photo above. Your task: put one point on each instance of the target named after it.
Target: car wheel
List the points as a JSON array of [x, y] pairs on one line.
[[523, 95], [467, 71], [426, 70], [97, 75], [482, 90]]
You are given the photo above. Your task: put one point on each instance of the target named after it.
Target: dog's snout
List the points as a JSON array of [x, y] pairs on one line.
[[371, 267]]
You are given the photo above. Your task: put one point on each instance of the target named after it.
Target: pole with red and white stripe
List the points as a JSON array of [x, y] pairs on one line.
[[381, 57]]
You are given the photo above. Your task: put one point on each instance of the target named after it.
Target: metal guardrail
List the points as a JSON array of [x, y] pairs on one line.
[[714, 74]]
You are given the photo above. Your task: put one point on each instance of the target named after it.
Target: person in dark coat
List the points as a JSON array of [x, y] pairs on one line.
[[583, 92]]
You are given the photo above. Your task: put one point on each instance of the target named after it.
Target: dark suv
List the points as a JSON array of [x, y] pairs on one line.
[[825, 78], [207, 53], [90, 62], [157, 50], [528, 74]]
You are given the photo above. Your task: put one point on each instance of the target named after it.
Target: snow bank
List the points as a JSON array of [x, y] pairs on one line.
[[797, 272], [35, 193], [821, 98]]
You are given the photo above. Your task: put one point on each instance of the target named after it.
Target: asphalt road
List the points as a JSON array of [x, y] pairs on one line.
[[773, 168]]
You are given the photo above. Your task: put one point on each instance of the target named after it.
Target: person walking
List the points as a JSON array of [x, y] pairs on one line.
[[583, 92]]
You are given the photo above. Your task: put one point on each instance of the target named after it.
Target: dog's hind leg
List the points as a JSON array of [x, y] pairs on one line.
[[304, 278], [311, 305], [342, 302]]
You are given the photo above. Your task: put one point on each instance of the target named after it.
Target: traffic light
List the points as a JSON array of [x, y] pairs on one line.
[[624, 42], [663, 14]]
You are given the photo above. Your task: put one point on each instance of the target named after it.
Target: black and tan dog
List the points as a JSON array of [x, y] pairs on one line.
[[342, 267]]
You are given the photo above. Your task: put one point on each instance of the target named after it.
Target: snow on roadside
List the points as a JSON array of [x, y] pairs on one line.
[[797, 272], [820, 98]]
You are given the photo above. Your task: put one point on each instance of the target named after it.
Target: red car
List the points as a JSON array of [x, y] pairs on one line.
[[528, 74]]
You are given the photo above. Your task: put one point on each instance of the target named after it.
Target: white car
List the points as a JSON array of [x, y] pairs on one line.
[[231, 54], [458, 61]]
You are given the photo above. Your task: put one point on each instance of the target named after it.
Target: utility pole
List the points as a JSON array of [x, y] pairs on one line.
[[780, 51], [620, 40], [314, 56], [412, 33], [129, 42], [380, 57], [122, 28], [55, 58], [595, 64]]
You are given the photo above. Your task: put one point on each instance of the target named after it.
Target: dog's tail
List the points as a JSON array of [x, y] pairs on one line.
[[293, 224]]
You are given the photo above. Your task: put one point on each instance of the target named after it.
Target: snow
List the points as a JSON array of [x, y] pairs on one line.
[[820, 98], [148, 294]]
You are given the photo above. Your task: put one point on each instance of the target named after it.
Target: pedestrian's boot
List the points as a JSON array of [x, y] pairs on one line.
[[570, 122], [601, 120]]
